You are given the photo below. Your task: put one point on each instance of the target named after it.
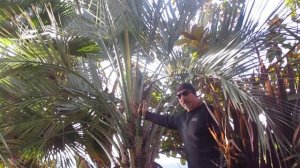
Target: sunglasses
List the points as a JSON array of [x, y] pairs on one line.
[[184, 93]]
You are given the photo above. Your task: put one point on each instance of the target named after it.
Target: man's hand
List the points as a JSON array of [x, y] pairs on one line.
[[143, 108]]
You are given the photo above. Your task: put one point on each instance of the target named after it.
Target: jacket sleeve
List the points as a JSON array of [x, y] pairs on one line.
[[167, 121]]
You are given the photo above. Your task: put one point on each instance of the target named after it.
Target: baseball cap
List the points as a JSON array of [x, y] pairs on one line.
[[186, 86]]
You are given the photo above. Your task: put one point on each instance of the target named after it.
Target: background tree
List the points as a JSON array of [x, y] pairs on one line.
[[248, 148]]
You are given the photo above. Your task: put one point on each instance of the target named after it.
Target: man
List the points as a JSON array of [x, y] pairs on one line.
[[193, 126]]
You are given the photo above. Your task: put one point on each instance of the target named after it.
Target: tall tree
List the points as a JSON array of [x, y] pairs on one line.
[[71, 89]]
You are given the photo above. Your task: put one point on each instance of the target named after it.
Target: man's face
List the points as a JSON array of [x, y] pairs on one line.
[[187, 99]]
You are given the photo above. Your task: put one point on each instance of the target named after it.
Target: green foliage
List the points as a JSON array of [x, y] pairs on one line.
[[232, 94], [71, 84], [294, 6]]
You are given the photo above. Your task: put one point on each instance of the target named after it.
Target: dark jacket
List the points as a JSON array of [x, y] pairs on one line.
[[193, 127]]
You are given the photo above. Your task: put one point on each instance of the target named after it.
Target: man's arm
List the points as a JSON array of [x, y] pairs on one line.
[[162, 120], [167, 121]]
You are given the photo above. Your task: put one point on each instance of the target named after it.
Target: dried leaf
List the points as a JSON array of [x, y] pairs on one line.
[[296, 136]]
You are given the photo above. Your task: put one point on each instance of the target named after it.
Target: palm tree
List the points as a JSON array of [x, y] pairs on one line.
[[228, 72], [71, 90], [44, 137]]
